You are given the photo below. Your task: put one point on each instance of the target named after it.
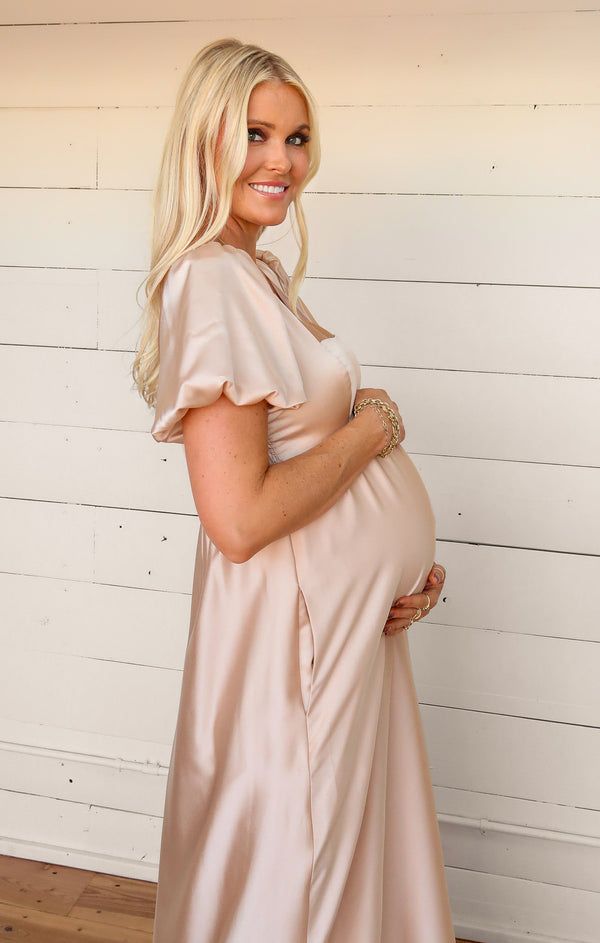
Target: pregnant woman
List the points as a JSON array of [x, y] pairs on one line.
[[299, 806]]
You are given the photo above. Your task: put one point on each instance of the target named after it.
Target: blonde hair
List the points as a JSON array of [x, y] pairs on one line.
[[190, 206]]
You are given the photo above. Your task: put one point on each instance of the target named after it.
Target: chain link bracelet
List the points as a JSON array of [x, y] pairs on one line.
[[380, 405]]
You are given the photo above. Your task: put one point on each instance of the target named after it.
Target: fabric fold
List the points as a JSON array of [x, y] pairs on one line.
[[221, 332]]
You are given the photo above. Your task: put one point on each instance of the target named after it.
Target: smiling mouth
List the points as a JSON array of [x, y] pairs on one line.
[[281, 188]]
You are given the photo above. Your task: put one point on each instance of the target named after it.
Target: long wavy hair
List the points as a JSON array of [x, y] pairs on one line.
[[190, 206]]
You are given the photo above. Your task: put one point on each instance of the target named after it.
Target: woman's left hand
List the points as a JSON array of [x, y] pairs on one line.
[[406, 608]]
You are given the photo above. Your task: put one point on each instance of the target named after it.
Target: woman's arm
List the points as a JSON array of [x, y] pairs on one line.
[[243, 501]]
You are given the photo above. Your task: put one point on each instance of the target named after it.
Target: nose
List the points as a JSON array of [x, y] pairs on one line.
[[278, 158]]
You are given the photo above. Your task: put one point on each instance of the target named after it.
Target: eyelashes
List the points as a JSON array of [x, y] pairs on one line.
[[304, 138]]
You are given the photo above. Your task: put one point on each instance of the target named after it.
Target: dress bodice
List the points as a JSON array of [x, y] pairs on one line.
[[348, 359]]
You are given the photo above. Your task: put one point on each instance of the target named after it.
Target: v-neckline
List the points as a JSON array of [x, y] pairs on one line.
[[273, 280], [278, 290]]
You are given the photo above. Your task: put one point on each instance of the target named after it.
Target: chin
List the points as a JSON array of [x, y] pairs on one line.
[[273, 218]]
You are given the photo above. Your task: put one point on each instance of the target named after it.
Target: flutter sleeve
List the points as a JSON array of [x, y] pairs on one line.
[[221, 331]]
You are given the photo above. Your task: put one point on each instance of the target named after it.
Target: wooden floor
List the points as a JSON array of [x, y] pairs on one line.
[[50, 903]]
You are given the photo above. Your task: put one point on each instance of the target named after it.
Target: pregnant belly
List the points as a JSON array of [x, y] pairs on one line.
[[375, 543], [380, 534], [395, 524]]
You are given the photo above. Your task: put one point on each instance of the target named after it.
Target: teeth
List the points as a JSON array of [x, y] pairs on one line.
[[258, 186]]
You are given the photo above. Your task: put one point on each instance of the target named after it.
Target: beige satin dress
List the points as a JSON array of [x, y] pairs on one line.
[[299, 805]]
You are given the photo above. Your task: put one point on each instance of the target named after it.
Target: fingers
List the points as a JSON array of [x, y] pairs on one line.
[[406, 610], [405, 615], [393, 626], [418, 601], [401, 618]]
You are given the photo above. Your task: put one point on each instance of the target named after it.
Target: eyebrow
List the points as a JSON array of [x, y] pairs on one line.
[[272, 126]]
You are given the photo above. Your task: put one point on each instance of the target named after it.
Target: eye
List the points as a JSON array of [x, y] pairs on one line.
[[304, 138]]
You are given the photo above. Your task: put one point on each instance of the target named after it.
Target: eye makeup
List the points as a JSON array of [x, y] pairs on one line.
[[304, 138]]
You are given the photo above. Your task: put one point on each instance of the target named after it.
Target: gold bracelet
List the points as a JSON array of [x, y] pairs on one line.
[[379, 405]]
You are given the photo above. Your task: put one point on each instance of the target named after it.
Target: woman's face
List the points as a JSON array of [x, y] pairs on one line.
[[277, 155]]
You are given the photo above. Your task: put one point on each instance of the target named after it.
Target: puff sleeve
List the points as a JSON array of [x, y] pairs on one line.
[[221, 330]]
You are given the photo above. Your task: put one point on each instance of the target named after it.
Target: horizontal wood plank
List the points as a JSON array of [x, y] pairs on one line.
[[529, 57], [100, 11], [120, 148]]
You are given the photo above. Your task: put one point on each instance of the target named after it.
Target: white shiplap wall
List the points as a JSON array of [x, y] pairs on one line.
[[454, 233]]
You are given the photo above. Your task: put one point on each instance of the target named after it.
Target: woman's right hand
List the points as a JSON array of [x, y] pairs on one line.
[[373, 414]]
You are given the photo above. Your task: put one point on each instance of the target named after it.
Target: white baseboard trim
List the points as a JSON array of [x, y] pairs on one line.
[[78, 858], [508, 828], [469, 931]]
